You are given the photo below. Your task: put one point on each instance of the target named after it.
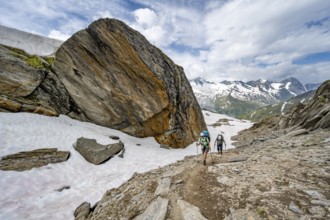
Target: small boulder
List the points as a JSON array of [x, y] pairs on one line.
[[96, 153], [82, 211]]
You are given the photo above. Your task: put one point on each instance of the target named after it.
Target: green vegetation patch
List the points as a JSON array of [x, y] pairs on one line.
[[35, 62], [31, 60]]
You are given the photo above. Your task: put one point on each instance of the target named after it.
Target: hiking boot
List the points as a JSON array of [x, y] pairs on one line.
[[204, 162]]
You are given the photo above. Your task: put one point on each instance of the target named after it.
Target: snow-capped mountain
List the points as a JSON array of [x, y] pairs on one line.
[[30, 43], [236, 97]]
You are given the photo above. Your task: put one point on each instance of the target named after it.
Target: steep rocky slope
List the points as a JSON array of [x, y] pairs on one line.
[[278, 109]]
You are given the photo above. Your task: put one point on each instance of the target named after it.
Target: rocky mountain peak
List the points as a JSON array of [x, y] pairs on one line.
[[294, 85]]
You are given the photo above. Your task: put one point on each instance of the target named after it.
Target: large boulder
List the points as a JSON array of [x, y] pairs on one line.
[[119, 80], [96, 153]]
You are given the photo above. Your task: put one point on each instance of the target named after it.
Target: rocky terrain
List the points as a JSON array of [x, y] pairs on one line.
[[277, 171], [281, 178]]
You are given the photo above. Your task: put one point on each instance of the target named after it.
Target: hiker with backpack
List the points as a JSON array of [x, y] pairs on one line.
[[219, 141], [204, 141]]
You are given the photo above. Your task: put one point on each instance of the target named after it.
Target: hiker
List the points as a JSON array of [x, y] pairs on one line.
[[219, 141], [204, 140]]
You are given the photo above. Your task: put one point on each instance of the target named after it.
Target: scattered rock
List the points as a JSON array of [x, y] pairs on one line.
[[121, 155], [314, 194], [237, 159], [26, 160], [189, 211], [96, 153], [325, 203], [293, 207], [62, 188], [165, 146], [114, 137], [163, 186]]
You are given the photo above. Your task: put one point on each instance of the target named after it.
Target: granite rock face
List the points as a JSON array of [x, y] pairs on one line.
[[119, 80]]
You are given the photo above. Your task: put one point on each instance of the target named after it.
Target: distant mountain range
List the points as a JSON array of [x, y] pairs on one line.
[[237, 98]]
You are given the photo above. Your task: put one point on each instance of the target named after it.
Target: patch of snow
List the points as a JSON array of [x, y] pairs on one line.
[[283, 106], [32, 194], [276, 86], [287, 86]]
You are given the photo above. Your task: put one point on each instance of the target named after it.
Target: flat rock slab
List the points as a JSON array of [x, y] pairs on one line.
[[189, 211], [156, 210], [237, 159], [295, 133], [163, 186], [96, 153], [27, 160]]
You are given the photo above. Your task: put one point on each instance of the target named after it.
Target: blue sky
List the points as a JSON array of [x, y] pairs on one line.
[[214, 39]]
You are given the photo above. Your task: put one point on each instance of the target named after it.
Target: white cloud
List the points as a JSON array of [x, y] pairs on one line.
[[145, 17], [102, 14], [235, 39], [58, 35]]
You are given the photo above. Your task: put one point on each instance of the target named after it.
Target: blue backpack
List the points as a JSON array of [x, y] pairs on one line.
[[205, 138]]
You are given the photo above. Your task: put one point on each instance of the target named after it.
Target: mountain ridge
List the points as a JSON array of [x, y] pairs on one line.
[[250, 95]]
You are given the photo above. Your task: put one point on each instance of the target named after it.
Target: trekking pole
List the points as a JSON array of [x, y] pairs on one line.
[[212, 158], [197, 152]]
